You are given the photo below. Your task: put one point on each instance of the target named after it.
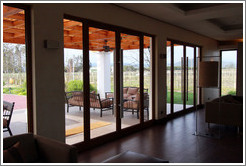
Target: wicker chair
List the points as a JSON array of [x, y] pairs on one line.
[[7, 114], [75, 98], [102, 104], [133, 104]]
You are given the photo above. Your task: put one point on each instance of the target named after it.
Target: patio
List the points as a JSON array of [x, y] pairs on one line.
[[74, 119]]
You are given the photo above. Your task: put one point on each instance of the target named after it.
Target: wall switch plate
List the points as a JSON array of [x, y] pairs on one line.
[[53, 44]]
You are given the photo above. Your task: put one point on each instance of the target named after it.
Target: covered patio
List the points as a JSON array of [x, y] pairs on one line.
[[101, 44]]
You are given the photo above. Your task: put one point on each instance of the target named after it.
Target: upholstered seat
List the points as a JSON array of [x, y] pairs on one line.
[[29, 148], [128, 93], [134, 103], [76, 98]]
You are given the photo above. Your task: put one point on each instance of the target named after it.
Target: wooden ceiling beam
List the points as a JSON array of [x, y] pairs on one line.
[[7, 23], [17, 16], [14, 40], [17, 35], [72, 24], [68, 39], [73, 46], [72, 33], [101, 37], [13, 24], [9, 11], [76, 27], [8, 35], [19, 23], [15, 30]]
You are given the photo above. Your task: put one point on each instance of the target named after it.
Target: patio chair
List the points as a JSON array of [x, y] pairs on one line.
[[133, 104], [128, 93], [102, 104], [74, 98], [7, 114]]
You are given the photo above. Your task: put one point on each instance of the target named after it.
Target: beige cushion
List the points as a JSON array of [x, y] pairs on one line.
[[131, 105], [110, 95], [137, 98], [132, 91], [126, 96], [125, 90], [72, 101]]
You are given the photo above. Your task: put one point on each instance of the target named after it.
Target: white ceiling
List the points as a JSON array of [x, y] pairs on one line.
[[220, 21]]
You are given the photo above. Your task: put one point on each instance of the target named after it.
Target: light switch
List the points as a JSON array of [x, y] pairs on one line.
[[51, 44]]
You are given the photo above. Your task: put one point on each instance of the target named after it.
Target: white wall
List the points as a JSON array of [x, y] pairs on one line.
[[48, 73], [48, 63]]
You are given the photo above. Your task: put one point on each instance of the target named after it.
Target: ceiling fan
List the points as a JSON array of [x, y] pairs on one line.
[[106, 47]]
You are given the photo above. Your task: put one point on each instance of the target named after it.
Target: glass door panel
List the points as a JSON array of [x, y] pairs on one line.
[[189, 76], [101, 55], [14, 70], [73, 75], [178, 84], [228, 72], [181, 79], [130, 79], [168, 77], [197, 75], [147, 78]]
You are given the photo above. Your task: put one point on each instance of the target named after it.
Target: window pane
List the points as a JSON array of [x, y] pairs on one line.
[[168, 67], [178, 77], [147, 78], [131, 75], [73, 75], [228, 73], [101, 55], [14, 70], [189, 76]]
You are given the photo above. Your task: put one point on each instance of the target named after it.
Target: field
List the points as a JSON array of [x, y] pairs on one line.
[[16, 82]]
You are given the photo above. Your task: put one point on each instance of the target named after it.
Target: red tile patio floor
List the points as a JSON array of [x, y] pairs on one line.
[[20, 101]]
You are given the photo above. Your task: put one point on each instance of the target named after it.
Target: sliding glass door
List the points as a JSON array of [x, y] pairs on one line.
[[181, 76], [108, 80]]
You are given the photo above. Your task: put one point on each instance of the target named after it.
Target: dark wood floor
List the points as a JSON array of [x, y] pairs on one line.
[[173, 141]]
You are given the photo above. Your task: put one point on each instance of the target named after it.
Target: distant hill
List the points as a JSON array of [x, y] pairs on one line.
[[225, 64]]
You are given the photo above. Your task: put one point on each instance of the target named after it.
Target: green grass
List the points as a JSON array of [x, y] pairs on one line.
[[178, 98], [15, 90]]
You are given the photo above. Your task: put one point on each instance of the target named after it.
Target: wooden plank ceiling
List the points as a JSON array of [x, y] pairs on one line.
[[14, 32]]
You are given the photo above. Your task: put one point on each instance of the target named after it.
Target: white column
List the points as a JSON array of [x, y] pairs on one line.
[[103, 73]]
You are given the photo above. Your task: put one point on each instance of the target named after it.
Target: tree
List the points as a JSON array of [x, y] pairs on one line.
[[14, 58], [147, 62]]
